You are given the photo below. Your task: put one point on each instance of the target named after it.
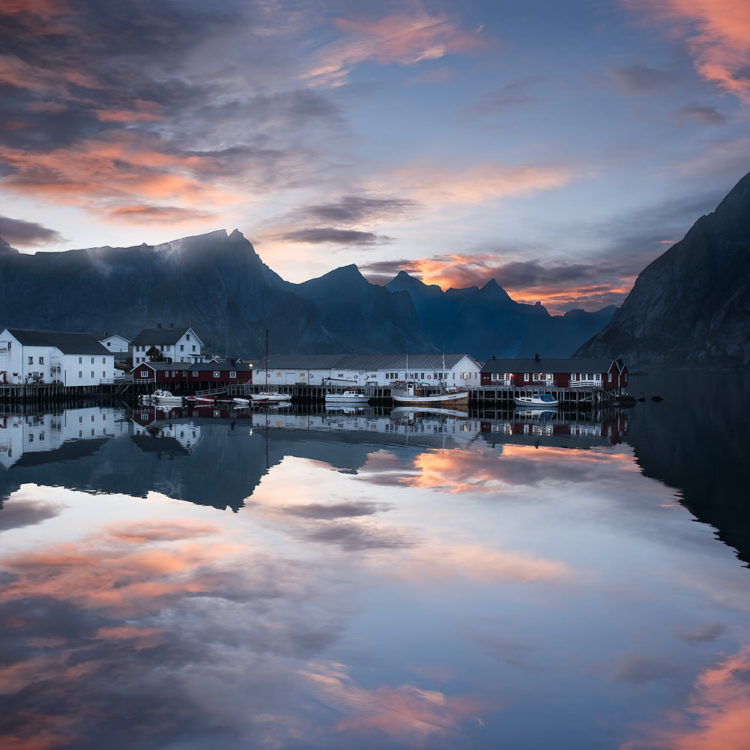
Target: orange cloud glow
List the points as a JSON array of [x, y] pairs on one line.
[[403, 38], [405, 713], [573, 289], [478, 184], [717, 714], [717, 33], [111, 172]]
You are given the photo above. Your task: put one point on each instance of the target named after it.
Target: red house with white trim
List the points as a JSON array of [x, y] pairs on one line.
[[201, 373], [570, 372]]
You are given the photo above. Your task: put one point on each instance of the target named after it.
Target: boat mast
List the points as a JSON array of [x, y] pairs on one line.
[[266, 359]]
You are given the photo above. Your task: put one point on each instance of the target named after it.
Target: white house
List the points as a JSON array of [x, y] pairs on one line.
[[368, 369], [115, 343], [175, 345], [72, 359]]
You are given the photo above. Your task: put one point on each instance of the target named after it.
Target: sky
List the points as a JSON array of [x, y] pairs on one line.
[[558, 147]]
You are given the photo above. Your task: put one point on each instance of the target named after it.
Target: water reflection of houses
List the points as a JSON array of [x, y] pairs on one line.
[[28, 438], [150, 432]]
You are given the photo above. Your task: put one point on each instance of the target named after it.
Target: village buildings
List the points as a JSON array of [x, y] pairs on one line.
[[460, 370], [222, 372], [541, 372], [68, 359], [173, 344]]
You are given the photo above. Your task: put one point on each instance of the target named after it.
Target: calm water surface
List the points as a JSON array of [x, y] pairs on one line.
[[204, 580]]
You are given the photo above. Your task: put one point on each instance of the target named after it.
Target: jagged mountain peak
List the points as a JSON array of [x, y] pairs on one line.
[[690, 306]]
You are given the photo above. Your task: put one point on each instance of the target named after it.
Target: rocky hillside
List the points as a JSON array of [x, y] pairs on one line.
[[218, 284], [691, 306]]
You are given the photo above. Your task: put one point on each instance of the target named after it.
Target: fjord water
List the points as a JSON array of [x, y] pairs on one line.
[[325, 580]]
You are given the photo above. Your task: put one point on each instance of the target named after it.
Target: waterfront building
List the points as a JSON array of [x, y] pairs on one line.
[[115, 343], [204, 373], [69, 359], [459, 370], [174, 344], [570, 372]]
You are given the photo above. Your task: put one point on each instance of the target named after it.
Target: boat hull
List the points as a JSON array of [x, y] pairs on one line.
[[534, 402], [454, 399], [269, 398]]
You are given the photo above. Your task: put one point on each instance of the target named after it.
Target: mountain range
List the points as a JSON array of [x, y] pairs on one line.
[[218, 284], [691, 306]]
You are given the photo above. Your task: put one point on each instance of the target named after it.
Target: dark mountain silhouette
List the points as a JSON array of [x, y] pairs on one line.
[[691, 306], [218, 284]]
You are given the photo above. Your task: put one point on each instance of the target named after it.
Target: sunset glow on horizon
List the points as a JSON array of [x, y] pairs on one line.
[[555, 149]]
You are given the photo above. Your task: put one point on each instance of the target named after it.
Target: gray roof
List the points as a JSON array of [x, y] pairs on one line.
[[198, 366], [548, 364], [161, 336], [360, 362], [67, 343]]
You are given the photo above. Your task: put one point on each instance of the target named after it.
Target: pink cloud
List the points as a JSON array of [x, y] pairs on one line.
[[717, 34], [402, 38]]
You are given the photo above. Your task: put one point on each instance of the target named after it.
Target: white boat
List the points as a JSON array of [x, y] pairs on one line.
[[269, 397], [161, 398], [537, 400], [347, 397], [419, 393]]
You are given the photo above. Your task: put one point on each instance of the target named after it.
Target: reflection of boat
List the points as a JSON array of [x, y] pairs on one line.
[[349, 396], [399, 411], [420, 393], [537, 400], [241, 403], [536, 413]]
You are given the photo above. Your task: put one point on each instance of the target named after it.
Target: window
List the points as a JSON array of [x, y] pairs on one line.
[[104, 361], [232, 373], [92, 417], [41, 360], [31, 360], [80, 360], [187, 338], [182, 347], [80, 375], [104, 374], [217, 374], [526, 377], [80, 420], [610, 377], [144, 373], [92, 374], [92, 360], [193, 347]]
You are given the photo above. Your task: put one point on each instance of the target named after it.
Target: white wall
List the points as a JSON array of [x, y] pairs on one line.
[[115, 343], [77, 369]]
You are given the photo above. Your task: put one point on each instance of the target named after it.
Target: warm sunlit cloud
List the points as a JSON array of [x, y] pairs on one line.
[[559, 286], [405, 713], [717, 714], [477, 185], [404, 38], [717, 33], [112, 172]]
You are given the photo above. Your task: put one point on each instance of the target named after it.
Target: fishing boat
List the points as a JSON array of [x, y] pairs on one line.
[[161, 398], [537, 401], [347, 397], [266, 396], [436, 393], [421, 393]]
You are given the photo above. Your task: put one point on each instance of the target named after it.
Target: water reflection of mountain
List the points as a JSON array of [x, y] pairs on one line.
[[694, 441], [214, 457]]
